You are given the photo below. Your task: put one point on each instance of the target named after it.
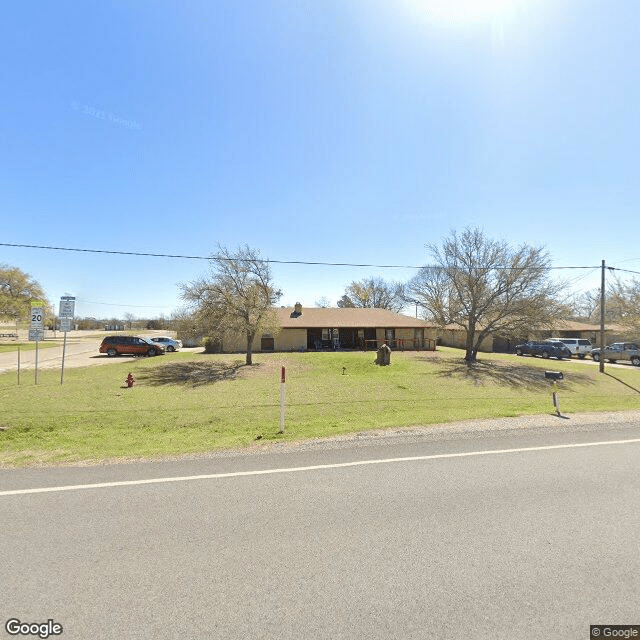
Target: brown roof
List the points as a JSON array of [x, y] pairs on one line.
[[561, 325], [575, 325], [335, 318]]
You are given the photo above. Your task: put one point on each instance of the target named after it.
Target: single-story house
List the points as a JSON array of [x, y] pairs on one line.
[[587, 330], [454, 336], [318, 329]]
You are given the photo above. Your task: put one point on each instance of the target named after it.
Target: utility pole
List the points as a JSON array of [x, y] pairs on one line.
[[602, 320]]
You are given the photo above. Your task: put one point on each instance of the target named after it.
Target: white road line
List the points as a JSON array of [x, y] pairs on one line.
[[317, 467]]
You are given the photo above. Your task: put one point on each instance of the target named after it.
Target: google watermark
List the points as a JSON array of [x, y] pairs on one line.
[[15, 627], [615, 631], [101, 114]]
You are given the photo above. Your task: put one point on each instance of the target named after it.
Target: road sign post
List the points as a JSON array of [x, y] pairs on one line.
[[36, 327], [64, 351], [67, 311]]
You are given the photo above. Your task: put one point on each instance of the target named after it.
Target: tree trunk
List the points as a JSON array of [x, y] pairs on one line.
[[249, 348], [470, 350]]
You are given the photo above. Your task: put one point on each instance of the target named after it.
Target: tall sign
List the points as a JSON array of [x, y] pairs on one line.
[[67, 311], [36, 326]]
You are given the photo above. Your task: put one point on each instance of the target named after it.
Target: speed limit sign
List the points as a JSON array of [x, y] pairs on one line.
[[36, 327]]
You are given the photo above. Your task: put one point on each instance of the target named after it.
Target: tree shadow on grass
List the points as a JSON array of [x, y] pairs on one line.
[[195, 374], [519, 376], [623, 383]]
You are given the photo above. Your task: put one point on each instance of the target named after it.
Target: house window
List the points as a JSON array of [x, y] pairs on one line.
[[389, 335], [326, 334]]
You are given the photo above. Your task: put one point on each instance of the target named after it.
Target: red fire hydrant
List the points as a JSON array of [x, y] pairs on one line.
[[129, 381]]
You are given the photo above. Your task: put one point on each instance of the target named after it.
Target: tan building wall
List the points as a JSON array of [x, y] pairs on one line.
[[296, 340], [236, 343], [291, 340], [457, 338]]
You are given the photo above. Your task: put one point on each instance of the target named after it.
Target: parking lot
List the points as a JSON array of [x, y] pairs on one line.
[[81, 351]]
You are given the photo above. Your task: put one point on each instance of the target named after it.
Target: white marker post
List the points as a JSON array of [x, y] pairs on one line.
[[282, 395]]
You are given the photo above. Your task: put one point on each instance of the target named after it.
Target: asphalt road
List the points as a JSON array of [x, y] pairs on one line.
[[460, 533]]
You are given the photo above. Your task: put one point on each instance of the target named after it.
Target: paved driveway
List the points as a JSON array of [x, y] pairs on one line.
[[82, 351]]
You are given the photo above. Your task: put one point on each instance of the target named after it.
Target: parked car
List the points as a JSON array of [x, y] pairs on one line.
[[619, 351], [130, 345], [543, 349], [578, 346], [169, 343], [558, 344]]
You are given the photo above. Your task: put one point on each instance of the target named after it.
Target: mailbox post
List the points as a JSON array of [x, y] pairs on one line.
[[553, 377]]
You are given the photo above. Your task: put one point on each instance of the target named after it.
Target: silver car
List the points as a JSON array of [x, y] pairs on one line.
[[169, 343], [619, 351]]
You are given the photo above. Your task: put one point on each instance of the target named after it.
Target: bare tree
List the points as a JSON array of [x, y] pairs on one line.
[[623, 304], [374, 293], [346, 302], [323, 303], [486, 287], [185, 323], [237, 296], [586, 305]]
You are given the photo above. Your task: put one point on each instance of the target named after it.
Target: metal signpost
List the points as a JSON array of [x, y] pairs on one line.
[[67, 311], [36, 327]]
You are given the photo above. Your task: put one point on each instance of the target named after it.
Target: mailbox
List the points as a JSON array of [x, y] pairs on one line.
[[553, 375]]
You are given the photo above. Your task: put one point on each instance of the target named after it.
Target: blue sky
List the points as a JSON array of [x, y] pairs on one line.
[[334, 131]]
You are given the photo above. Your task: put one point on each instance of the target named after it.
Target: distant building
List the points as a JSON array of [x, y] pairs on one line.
[[455, 336]]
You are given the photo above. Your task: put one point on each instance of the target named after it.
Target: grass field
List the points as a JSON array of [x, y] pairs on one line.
[[186, 403]]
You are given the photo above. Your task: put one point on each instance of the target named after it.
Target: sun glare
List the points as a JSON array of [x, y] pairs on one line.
[[461, 9]]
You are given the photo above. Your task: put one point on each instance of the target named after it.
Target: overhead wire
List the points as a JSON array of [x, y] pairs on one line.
[[267, 260]]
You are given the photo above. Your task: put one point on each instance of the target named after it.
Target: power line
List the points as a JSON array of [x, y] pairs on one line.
[[623, 270], [136, 306], [267, 260]]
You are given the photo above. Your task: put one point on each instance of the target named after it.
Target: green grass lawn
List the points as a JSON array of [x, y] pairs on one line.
[[186, 403]]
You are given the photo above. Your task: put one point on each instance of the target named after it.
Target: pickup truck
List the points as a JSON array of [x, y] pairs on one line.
[[619, 351]]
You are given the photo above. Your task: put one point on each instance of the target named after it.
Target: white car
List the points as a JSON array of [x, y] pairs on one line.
[[578, 346], [169, 343]]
